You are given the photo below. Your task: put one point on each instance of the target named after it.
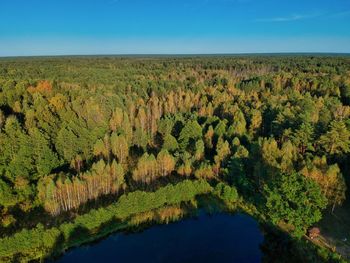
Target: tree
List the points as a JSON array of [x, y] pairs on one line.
[[199, 153], [77, 163], [16, 151], [140, 138], [67, 143], [226, 192], [107, 143], [296, 200], [7, 198], [142, 120], [166, 125], [192, 130], [255, 121], [222, 151], [47, 194], [270, 153], [205, 171], [237, 171], [45, 158], [329, 178], [220, 129], [117, 119], [117, 176], [185, 169], [337, 194], [146, 170], [345, 94], [120, 147], [127, 128], [154, 112], [43, 87], [337, 139], [239, 123], [166, 163], [170, 143], [208, 137], [288, 155], [100, 149], [303, 138]]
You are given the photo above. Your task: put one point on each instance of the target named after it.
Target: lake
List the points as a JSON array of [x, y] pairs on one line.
[[215, 238]]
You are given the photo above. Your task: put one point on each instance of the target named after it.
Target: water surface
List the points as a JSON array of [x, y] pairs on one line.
[[217, 238]]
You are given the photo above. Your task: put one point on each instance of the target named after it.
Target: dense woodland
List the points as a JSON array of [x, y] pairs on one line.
[[76, 133]]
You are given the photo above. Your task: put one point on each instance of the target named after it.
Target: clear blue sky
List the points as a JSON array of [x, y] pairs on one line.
[[57, 27]]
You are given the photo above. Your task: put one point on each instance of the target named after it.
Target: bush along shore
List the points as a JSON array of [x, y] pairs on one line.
[[40, 243], [137, 210]]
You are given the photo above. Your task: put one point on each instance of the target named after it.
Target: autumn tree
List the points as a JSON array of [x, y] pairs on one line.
[[100, 149], [329, 178], [205, 171], [208, 137], [165, 162], [146, 170], [120, 148], [77, 163], [185, 168], [222, 151], [239, 123], [116, 120], [255, 121]]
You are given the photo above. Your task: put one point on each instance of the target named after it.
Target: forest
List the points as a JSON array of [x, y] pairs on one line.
[[86, 142]]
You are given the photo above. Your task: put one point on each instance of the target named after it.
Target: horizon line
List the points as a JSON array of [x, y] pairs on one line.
[[179, 54]]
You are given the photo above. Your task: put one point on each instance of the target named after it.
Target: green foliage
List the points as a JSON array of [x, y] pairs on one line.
[[226, 192], [40, 243], [220, 129], [70, 135], [192, 130], [345, 93], [170, 143], [6, 196], [199, 150], [337, 139], [239, 124], [46, 160], [295, 200], [222, 150]]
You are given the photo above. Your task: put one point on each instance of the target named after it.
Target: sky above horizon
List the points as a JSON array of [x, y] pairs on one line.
[[67, 27]]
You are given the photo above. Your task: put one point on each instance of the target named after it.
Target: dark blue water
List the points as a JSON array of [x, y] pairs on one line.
[[218, 238]]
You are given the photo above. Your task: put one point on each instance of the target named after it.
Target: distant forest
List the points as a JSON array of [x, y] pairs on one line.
[[83, 139]]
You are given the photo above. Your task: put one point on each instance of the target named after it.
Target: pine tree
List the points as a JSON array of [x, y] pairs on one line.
[[337, 139], [192, 130], [303, 138]]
